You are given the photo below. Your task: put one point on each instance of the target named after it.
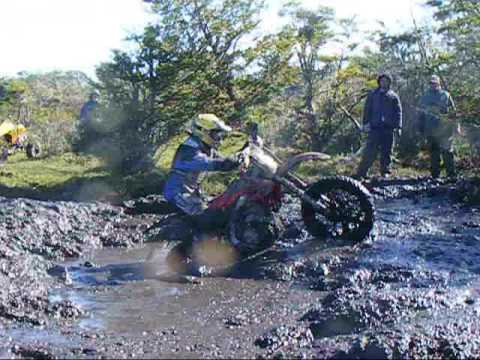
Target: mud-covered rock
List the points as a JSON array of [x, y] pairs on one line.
[[65, 309], [412, 188], [37, 353], [285, 336], [467, 191], [365, 347]]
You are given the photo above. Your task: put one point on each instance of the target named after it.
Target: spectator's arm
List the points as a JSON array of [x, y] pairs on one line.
[[367, 109], [398, 113], [423, 104], [83, 112]]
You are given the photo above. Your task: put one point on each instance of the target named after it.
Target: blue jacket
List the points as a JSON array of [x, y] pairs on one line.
[[383, 110], [86, 110], [191, 159]]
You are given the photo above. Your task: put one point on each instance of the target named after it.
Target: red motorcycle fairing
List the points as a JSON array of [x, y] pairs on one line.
[[266, 192]]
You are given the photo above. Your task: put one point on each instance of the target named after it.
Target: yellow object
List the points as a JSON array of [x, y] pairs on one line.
[[11, 132]]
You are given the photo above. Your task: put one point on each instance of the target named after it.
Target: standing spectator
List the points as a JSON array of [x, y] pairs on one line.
[[438, 127], [87, 109], [87, 132], [382, 115]]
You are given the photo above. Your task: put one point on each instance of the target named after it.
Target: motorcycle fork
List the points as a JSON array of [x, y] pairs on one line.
[[318, 206]]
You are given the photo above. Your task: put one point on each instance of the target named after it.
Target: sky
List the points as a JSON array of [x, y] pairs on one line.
[[46, 35]]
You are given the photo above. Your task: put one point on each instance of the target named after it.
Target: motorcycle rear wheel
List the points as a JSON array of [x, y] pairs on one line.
[[252, 228], [349, 213], [33, 150], [178, 258]]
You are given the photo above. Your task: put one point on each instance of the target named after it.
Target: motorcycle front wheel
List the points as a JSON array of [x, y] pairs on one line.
[[348, 209]]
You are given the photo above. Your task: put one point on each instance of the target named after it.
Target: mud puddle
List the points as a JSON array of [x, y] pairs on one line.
[[124, 293], [119, 289]]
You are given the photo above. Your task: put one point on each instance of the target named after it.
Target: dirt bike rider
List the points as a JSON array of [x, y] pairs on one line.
[[194, 156]]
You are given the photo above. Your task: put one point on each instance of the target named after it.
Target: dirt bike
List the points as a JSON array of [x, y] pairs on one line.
[[335, 208], [14, 138]]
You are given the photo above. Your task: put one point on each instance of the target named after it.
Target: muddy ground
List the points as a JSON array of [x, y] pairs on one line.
[[77, 280]]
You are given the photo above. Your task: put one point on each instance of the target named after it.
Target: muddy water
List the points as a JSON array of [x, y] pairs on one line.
[[124, 294], [115, 288], [131, 293], [414, 289], [433, 235]]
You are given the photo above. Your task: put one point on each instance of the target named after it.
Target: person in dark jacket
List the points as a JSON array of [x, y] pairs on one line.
[[382, 117], [196, 155], [87, 109], [439, 128], [86, 126]]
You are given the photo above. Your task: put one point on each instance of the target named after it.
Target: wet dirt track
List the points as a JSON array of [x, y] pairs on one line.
[[411, 292]]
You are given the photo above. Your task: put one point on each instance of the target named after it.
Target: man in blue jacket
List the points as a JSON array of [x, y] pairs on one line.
[[87, 109], [382, 116], [195, 156]]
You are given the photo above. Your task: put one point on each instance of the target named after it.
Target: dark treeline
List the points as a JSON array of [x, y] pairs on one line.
[[208, 56]]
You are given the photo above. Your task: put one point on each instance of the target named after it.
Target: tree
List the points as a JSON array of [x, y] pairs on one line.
[[310, 31], [325, 79], [460, 32], [193, 60], [47, 103]]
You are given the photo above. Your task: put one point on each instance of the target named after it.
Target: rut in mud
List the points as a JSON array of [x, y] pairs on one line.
[[413, 290]]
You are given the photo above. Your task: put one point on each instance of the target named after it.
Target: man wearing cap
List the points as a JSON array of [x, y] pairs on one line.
[[436, 125], [382, 115]]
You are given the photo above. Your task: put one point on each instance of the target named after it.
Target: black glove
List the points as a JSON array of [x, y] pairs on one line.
[[229, 163]]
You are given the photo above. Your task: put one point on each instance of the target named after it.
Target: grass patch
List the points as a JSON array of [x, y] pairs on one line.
[[79, 177], [87, 177], [20, 172]]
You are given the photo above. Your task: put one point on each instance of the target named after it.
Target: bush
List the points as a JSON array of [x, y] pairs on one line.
[[54, 138]]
